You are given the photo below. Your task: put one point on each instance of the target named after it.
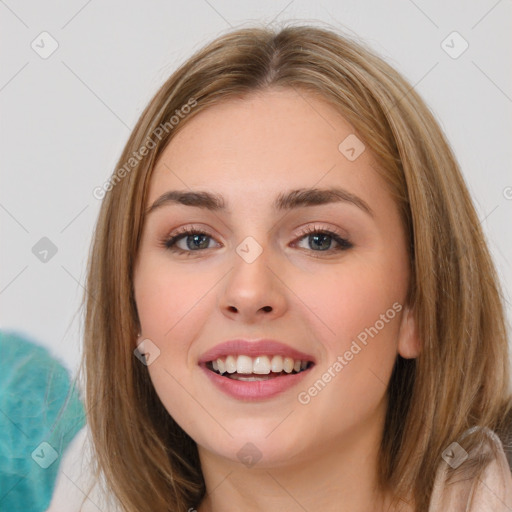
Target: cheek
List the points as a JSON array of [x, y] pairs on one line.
[[357, 309], [166, 298], [342, 302], [169, 304]]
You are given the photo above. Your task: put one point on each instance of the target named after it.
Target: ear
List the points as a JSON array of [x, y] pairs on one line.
[[409, 343]]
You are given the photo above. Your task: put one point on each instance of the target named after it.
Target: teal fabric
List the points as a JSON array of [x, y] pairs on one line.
[[40, 413]]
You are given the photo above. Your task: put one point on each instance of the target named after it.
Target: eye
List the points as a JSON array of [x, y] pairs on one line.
[[195, 240], [322, 239]]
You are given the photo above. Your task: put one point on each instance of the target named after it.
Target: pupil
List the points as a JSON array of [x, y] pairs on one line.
[[324, 236], [195, 237]]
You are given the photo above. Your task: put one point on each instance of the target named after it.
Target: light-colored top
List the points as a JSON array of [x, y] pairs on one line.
[[492, 492], [75, 490]]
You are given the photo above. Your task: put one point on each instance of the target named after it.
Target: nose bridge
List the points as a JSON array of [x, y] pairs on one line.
[[252, 284], [250, 250], [251, 261], [254, 234]]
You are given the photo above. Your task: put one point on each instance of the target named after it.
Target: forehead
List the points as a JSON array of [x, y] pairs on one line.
[[266, 141]]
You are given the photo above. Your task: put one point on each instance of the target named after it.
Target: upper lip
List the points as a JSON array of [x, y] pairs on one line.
[[253, 349]]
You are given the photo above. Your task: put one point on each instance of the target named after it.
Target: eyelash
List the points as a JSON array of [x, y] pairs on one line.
[[170, 243]]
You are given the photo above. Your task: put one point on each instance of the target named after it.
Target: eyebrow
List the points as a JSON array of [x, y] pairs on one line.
[[285, 201]]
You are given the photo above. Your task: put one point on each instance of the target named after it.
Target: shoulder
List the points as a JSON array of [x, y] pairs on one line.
[[490, 492]]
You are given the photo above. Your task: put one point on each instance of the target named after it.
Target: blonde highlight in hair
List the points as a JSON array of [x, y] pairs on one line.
[[460, 380]]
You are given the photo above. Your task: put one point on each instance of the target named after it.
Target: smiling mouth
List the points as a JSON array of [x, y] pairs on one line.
[[261, 368]]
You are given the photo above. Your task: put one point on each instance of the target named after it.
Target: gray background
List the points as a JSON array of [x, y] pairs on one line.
[[65, 118]]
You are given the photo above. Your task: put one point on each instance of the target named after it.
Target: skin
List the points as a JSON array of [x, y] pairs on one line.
[[318, 456]]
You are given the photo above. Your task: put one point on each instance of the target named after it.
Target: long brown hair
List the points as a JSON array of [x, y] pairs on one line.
[[460, 380]]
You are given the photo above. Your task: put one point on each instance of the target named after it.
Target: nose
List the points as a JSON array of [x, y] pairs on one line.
[[253, 290]]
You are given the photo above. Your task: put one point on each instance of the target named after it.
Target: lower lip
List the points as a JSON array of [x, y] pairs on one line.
[[254, 390]]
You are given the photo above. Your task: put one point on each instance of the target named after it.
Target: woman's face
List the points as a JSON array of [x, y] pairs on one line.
[[254, 271]]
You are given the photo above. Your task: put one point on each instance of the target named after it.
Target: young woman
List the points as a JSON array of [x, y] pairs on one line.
[[290, 303]]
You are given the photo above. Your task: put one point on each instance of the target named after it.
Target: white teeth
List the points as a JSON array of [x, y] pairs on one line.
[[244, 364], [288, 365], [260, 365], [231, 364], [277, 364]]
